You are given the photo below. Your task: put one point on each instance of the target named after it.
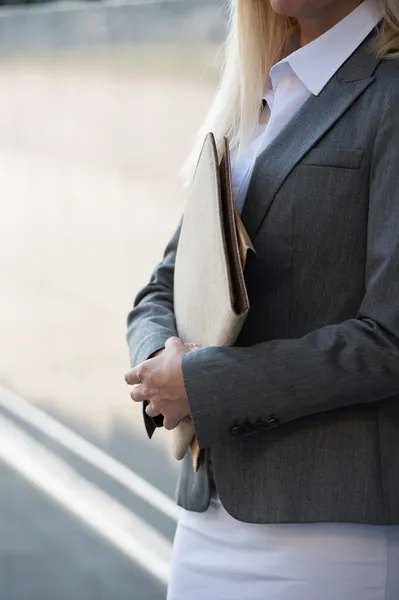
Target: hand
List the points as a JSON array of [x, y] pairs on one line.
[[189, 346], [160, 381]]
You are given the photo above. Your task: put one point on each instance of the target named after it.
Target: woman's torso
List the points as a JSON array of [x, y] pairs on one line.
[[307, 212]]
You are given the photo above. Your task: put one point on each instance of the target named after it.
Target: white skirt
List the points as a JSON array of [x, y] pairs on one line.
[[216, 557]]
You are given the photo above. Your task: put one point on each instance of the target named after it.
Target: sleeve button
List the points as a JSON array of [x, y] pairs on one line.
[[273, 423], [235, 430]]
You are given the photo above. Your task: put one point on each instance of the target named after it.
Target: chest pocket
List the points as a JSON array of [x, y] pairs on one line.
[[333, 157]]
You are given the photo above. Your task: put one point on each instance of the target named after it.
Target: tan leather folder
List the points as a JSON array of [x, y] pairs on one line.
[[210, 297]]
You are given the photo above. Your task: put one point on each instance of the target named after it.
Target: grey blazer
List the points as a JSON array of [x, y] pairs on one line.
[[302, 415]]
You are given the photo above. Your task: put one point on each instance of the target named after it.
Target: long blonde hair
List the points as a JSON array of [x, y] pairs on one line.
[[258, 38]]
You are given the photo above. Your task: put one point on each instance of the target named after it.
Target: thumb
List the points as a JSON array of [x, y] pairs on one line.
[[173, 341]]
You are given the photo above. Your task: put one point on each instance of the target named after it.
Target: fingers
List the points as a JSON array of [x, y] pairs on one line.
[[151, 411], [170, 424], [190, 346], [139, 393], [174, 342], [137, 375], [133, 378]]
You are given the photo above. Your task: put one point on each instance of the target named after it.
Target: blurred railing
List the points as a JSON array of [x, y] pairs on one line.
[[60, 26]]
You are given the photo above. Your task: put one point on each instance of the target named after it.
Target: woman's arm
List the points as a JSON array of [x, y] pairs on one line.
[[152, 322], [354, 362]]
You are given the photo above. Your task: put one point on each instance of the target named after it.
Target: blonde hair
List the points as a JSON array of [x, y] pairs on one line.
[[258, 38]]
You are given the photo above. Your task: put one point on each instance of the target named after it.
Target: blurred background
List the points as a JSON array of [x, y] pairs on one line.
[[99, 104]]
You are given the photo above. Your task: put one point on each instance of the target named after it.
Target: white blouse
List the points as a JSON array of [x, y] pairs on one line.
[[300, 75]]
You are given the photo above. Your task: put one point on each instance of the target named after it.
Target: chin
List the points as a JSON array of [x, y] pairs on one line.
[[284, 8], [289, 8]]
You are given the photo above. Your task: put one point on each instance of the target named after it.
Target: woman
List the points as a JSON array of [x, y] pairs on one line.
[[297, 496]]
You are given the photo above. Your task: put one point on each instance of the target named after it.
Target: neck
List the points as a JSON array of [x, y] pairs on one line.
[[313, 26]]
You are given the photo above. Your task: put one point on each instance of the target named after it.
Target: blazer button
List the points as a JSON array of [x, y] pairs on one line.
[[248, 427], [235, 431], [273, 423]]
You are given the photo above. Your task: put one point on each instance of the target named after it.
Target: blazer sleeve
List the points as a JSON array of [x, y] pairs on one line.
[[337, 366], [151, 321]]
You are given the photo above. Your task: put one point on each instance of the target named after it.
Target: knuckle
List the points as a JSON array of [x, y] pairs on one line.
[[144, 391], [140, 372], [156, 403]]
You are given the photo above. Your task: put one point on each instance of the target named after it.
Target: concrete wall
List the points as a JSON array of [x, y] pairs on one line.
[[89, 196], [62, 26]]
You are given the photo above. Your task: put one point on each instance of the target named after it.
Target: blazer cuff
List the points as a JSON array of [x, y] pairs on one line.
[[212, 418], [222, 406], [152, 343]]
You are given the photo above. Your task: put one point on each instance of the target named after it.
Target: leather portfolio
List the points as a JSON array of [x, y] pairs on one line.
[[210, 298]]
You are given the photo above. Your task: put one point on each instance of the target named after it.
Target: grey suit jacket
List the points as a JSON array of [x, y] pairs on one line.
[[302, 415]]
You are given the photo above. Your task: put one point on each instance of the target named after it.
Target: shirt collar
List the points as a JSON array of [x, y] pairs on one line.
[[315, 64]]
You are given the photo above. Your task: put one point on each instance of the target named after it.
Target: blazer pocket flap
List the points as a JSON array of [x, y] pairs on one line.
[[334, 157]]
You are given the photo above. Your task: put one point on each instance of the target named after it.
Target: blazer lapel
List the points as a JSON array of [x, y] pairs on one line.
[[307, 127]]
